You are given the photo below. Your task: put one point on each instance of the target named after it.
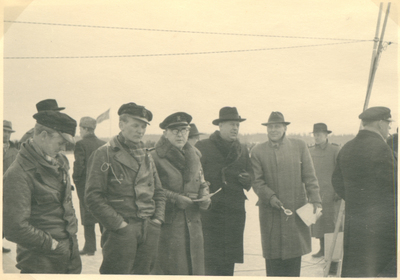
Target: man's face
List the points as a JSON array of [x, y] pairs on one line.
[[82, 131], [177, 135], [384, 127], [53, 144], [229, 130], [276, 131], [133, 129], [6, 136], [320, 137]]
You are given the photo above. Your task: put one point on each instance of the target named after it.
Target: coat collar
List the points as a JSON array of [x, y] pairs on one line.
[[372, 133], [283, 141], [122, 156], [322, 146]]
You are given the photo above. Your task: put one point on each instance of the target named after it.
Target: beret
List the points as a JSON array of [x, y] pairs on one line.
[[176, 119]]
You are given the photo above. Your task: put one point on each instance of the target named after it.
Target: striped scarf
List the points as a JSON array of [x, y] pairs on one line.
[[137, 151]]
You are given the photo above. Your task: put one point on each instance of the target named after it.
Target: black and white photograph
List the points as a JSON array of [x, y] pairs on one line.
[[200, 138]]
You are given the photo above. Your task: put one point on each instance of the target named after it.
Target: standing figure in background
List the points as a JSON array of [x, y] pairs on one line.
[[194, 135], [366, 178], [38, 211], [284, 177], [10, 152], [181, 250], [226, 166], [44, 105], [83, 149], [324, 156], [124, 193]]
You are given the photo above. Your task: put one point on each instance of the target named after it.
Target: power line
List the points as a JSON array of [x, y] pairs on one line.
[[173, 54], [180, 31]]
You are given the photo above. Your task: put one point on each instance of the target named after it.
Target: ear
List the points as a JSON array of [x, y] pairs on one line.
[[121, 125], [165, 133], [43, 135]]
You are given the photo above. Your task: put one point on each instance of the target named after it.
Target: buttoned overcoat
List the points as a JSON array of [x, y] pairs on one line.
[[366, 178], [286, 171]]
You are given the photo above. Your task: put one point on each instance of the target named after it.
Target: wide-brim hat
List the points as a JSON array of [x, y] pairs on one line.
[[376, 114], [194, 131], [136, 111], [62, 123], [175, 120], [321, 127], [228, 114], [276, 117], [7, 126], [48, 104]]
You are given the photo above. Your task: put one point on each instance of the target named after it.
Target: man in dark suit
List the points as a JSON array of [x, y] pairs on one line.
[[83, 149], [366, 178]]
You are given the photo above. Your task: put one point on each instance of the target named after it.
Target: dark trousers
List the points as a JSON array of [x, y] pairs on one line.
[[132, 249], [219, 268], [278, 267], [65, 259], [90, 237]]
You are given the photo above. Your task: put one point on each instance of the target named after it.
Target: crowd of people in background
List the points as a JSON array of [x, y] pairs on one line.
[[179, 208]]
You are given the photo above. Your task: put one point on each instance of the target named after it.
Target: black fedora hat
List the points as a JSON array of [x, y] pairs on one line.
[[194, 131], [48, 105], [321, 127], [228, 114], [276, 117]]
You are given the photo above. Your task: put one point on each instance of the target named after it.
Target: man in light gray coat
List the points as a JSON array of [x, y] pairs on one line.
[[284, 176]]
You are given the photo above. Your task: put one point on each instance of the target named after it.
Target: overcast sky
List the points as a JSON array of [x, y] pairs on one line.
[[308, 85]]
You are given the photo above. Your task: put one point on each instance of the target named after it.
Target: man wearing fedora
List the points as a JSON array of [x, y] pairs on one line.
[[10, 152], [324, 156], [38, 211], [44, 105], [83, 150], [284, 177], [194, 135], [366, 178], [226, 166], [124, 193]]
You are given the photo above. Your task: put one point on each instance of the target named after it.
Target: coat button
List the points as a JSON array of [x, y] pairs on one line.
[[150, 184], [188, 221]]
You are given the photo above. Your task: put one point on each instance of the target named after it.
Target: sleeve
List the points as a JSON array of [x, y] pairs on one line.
[[159, 194], [260, 187], [96, 189], [17, 197], [308, 174], [384, 168], [337, 179], [79, 163], [203, 191], [249, 169]]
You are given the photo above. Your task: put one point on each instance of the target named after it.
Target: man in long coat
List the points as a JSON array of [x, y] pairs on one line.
[[284, 176], [181, 250], [83, 150], [38, 211], [366, 178], [226, 165], [324, 155]]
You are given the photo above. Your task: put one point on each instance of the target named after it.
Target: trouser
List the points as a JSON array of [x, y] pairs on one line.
[[220, 268], [132, 249], [64, 259], [278, 267], [90, 237]]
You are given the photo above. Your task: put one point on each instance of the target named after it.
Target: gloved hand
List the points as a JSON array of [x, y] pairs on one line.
[[317, 205], [244, 178], [183, 201], [203, 202], [275, 202]]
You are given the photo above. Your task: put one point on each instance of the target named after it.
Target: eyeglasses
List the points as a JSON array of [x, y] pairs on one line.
[[184, 131]]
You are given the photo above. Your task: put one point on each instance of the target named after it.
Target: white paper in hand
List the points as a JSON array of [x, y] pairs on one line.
[[306, 213]]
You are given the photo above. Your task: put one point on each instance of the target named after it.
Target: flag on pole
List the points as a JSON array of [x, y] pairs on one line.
[[104, 116]]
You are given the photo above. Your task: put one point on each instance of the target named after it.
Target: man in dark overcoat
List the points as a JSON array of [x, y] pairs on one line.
[[324, 154], [366, 178], [226, 165], [83, 150], [38, 211]]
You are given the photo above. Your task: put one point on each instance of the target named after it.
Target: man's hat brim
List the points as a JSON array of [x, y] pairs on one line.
[[139, 118], [217, 121], [285, 123], [327, 131], [67, 137], [177, 124], [8, 129]]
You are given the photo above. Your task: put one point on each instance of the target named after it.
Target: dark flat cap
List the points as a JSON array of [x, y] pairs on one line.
[[62, 123], [194, 131], [48, 104], [228, 114], [376, 114], [7, 126], [136, 111], [87, 122], [276, 117], [321, 127], [176, 119]]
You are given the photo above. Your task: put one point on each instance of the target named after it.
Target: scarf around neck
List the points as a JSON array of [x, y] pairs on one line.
[[231, 151], [183, 160], [137, 151]]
